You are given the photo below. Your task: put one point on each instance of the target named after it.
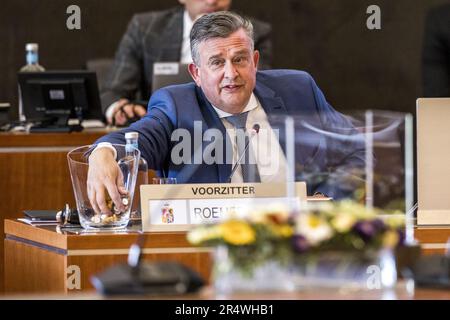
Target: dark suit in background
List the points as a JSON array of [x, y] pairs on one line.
[[156, 37], [436, 53]]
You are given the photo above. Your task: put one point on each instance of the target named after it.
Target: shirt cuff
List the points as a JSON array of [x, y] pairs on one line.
[[106, 145]]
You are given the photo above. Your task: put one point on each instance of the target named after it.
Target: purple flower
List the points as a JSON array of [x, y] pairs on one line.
[[401, 237], [379, 225], [300, 243], [365, 229]]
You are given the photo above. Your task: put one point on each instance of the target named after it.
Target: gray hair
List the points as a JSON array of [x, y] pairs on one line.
[[217, 25]]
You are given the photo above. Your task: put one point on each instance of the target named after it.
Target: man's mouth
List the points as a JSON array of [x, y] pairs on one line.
[[232, 87]]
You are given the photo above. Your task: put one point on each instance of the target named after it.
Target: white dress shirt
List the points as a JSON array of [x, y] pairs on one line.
[[186, 42], [264, 145]]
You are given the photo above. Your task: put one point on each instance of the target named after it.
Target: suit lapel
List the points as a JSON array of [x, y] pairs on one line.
[[271, 103], [273, 106]]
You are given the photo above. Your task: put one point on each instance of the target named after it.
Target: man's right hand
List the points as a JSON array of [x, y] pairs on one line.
[[104, 177]]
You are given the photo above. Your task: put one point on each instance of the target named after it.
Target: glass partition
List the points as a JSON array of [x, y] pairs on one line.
[[365, 156]]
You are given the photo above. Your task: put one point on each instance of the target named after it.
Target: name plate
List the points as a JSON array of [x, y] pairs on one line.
[[175, 207], [165, 68]]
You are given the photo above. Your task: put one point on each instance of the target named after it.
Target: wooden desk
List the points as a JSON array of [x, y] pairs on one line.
[[41, 259], [34, 173], [433, 239]]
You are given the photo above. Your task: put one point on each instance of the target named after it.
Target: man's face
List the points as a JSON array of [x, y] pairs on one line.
[[195, 8], [226, 71]]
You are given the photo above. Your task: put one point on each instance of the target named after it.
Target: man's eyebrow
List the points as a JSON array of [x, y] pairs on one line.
[[219, 55], [216, 56]]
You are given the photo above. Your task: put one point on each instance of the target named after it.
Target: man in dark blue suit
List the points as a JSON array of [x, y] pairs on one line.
[[228, 87]]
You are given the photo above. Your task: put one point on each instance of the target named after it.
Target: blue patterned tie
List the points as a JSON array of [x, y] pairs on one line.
[[249, 170]]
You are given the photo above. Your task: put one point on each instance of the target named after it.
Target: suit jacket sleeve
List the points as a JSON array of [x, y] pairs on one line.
[[345, 151], [125, 75], [154, 130]]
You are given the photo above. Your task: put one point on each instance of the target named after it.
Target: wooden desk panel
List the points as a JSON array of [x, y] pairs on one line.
[[432, 239], [36, 253], [94, 264], [29, 269]]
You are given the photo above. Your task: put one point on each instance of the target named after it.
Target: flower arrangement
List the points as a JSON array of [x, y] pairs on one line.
[[275, 234]]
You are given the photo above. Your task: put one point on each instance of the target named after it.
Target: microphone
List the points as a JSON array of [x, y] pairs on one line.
[[135, 253], [253, 132], [137, 277]]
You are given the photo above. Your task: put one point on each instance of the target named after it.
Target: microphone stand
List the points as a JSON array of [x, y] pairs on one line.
[[254, 132], [135, 254]]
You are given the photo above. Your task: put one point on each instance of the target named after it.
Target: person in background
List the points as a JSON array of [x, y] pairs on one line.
[[436, 53], [156, 37]]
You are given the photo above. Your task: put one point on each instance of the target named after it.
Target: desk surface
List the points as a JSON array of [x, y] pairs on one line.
[[22, 139], [402, 292], [54, 238]]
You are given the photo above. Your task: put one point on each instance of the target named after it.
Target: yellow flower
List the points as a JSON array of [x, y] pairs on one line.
[[395, 220], [237, 232], [342, 222], [282, 231], [202, 234], [390, 239]]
